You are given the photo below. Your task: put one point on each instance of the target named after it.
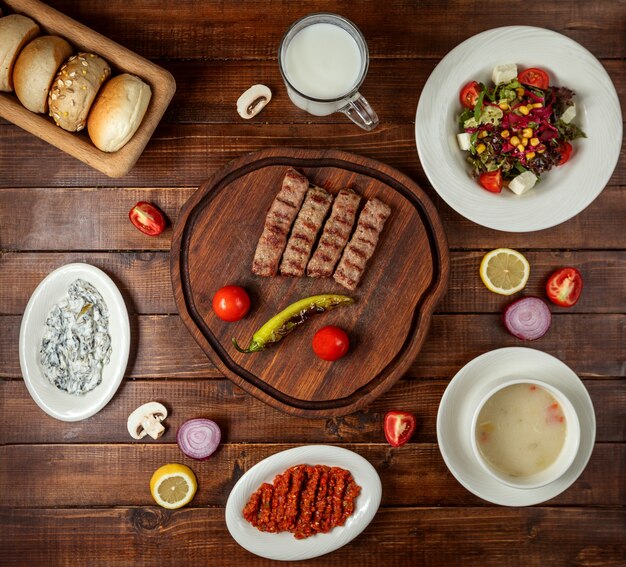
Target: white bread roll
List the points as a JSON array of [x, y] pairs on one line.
[[35, 69], [118, 112], [74, 89], [15, 32]]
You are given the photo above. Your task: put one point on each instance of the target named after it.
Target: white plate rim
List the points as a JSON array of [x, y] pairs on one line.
[[497, 365], [283, 546], [534, 210], [91, 403]]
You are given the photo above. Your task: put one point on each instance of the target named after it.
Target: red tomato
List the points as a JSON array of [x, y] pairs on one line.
[[147, 218], [491, 181], [330, 343], [535, 78], [399, 427], [231, 303], [469, 94], [564, 287], [565, 149]]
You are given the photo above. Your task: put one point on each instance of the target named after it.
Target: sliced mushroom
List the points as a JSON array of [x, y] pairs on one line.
[[146, 420], [253, 101]]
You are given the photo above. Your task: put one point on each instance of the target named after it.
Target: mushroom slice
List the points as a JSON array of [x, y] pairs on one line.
[[253, 101], [146, 420]]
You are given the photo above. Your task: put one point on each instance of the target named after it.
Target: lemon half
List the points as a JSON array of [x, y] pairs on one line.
[[504, 271], [172, 486]]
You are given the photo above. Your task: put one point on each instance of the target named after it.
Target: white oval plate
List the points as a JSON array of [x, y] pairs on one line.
[[55, 402], [471, 384], [283, 546], [562, 192]]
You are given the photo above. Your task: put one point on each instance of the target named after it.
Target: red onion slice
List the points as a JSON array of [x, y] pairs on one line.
[[198, 438], [528, 318]]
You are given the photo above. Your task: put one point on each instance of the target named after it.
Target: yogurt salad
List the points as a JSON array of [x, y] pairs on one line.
[[516, 129], [76, 344]]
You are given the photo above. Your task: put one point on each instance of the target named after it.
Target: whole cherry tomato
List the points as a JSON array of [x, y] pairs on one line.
[[534, 77], [231, 303], [491, 181], [564, 287], [399, 427], [331, 343], [469, 94], [147, 218]]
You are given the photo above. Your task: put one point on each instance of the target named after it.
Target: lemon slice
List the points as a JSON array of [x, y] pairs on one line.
[[504, 271], [172, 486]]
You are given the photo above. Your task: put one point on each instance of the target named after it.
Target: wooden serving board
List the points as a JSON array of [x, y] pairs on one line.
[[214, 243], [122, 60]]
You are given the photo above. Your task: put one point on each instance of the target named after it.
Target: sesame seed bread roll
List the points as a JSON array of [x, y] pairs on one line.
[[35, 69], [15, 32], [118, 112], [74, 89]]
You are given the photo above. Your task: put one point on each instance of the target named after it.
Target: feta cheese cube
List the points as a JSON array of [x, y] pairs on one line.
[[504, 73], [523, 182], [569, 114], [464, 140]]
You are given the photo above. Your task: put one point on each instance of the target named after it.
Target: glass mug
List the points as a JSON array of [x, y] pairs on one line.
[[323, 59]]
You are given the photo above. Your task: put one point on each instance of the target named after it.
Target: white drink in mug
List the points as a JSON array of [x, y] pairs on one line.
[[324, 59]]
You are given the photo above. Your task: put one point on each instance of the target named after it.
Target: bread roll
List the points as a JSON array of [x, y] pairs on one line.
[[15, 32], [35, 69], [74, 89], [118, 112]]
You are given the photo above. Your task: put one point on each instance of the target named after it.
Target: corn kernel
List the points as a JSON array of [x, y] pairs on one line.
[[480, 148], [523, 110], [483, 134], [520, 91], [538, 105], [520, 148], [534, 142], [530, 155], [505, 134], [540, 149], [504, 106], [527, 133], [515, 141], [524, 142]]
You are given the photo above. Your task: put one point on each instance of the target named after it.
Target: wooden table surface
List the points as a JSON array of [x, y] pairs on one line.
[[77, 493]]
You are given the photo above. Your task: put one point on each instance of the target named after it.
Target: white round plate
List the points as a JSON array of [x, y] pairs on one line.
[[283, 546], [562, 192], [55, 402], [468, 387]]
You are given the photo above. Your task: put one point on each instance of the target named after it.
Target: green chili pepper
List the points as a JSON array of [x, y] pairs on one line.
[[292, 317]]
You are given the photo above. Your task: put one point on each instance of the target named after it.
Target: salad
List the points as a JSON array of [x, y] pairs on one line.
[[517, 129]]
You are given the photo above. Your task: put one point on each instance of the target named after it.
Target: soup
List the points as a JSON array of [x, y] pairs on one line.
[[521, 430]]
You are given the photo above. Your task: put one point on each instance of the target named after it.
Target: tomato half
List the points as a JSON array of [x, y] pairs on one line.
[[147, 218], [331, 343], [534, 77], [564, 287], [491, 181], [469, 94], [231, 303], [565, 149], [399, 427]]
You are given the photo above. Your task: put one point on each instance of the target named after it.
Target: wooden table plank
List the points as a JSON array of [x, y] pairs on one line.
[[481, 537], [244, 419], [414, 475], [144, 280], [162, 347], [103, 223]]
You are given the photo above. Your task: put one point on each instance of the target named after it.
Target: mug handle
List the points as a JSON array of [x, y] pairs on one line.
[[361, 113]]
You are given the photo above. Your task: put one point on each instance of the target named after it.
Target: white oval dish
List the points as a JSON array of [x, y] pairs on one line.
[[283, 546], [562, 192], [53, 288], [471, 384]]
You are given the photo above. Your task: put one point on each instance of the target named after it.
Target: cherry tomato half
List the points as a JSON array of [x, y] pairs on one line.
[[331, 343], [231, 303], [491, 181], [534, 77], [399, 427], [564, 287], [469, 94], [147, 218], [565, 149]]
